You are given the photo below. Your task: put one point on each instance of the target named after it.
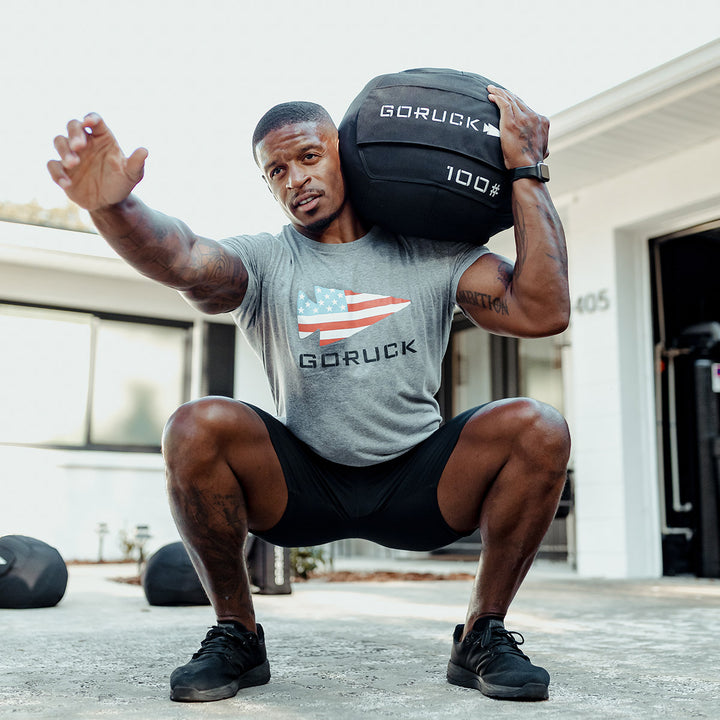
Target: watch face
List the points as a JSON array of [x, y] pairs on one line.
[[543, 171]]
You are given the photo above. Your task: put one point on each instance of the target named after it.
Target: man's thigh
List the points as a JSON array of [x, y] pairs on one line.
[[214, 446], [517, 433]]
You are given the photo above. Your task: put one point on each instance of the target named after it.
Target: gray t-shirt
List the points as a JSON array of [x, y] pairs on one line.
[[352, 335]]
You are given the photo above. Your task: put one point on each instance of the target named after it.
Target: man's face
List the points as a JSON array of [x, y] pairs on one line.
[[301, 166]]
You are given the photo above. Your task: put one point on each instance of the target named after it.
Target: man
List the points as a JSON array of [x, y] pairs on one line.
[[359, 450]]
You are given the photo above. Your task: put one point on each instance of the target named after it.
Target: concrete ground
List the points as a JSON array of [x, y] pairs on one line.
[[614, 649]]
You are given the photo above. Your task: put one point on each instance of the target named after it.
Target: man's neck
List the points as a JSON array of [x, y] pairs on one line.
[[345, 228]]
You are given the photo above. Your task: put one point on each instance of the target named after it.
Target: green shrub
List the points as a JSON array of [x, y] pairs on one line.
[[305, 560]]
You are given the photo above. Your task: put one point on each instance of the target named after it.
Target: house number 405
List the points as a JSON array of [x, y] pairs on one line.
[[593, 302]]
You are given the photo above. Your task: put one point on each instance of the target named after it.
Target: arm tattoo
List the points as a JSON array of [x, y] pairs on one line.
[[166, 250], [520, 238], [224, 278], [527, 140], [558, 238], [505, 274], [483, 300], [552, 231]]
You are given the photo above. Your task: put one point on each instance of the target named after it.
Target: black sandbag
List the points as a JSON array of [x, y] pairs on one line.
[[169, 578], [32, 573], [421, 156]]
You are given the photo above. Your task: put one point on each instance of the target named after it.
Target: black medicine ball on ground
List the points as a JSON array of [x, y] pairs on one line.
[[169, 578], [32, 573], [421, 156]]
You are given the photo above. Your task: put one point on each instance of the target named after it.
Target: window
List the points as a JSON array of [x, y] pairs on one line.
[[540, 362], [478, 367], [472, 372], [44, 370], [86, 380], [138, 382]]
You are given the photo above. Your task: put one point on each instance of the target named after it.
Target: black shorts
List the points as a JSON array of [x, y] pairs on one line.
[[393, 503]]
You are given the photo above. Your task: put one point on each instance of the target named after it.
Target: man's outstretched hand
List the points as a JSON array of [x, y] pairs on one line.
[[92, 169]]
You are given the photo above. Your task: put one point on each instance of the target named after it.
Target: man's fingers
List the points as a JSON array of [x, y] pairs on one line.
[[57, 173], [505, 102], [508, 99], [79, 131], [494, 95], [500, 95], [68, 157], [79, 134], [77, 139], [95, 124], [136, 164]]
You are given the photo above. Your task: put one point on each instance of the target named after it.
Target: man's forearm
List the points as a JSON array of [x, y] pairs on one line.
[[540, 275], [157, 245]]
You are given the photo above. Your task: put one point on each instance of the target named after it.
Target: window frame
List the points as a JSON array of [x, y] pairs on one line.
[[98, 316]]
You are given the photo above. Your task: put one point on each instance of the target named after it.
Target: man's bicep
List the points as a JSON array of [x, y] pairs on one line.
[[484, 290]]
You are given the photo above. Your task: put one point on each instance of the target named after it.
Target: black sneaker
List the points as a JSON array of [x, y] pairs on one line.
[[489, 660], [229, 658]]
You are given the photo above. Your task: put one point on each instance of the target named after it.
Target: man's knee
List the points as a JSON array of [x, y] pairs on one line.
[[544, 441], [198, 428], [543, 425], [537, 431]]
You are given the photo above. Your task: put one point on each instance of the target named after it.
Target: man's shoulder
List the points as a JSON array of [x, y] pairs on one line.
[[255, 243], [251, 238]]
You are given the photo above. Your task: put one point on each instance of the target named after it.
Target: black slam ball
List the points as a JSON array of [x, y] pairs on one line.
[[32, 573], [169, 578]]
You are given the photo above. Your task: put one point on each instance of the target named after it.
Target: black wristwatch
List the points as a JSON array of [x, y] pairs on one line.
[[540, 172]]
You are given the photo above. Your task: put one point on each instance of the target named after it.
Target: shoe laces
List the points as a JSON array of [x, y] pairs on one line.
[[220, 641], [499, 637]]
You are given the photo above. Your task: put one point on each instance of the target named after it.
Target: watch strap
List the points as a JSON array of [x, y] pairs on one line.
[[539, 171]]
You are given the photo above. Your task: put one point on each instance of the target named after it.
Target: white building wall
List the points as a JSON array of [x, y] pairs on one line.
[[608, 226], [60, 496]]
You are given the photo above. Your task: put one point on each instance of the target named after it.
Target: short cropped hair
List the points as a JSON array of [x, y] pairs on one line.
[[289, 113]]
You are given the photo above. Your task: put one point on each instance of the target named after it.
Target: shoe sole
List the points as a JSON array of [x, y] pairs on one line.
[[458, 675], [256, 676]]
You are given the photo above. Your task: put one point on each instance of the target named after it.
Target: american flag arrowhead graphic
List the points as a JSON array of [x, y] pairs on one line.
[[338, 314]]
